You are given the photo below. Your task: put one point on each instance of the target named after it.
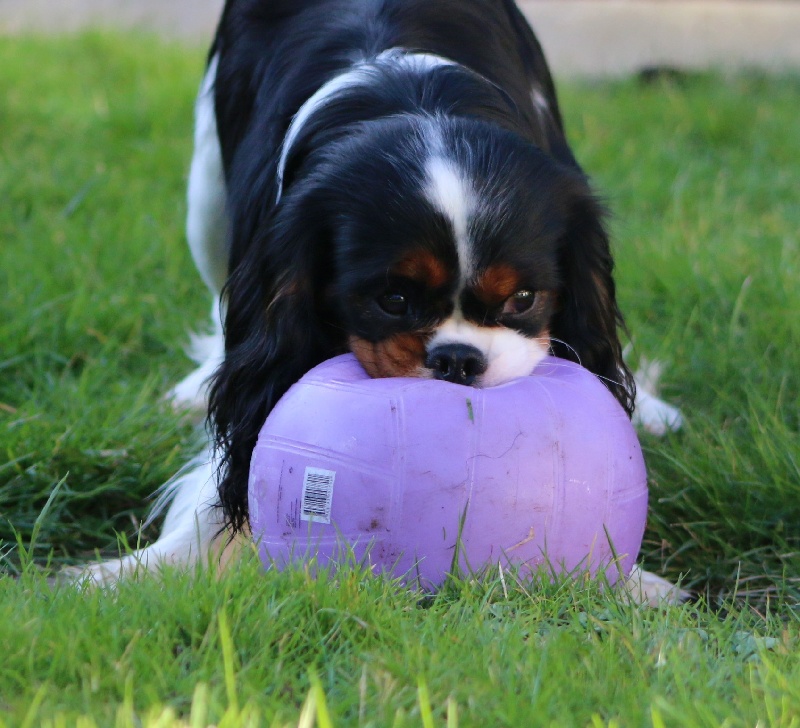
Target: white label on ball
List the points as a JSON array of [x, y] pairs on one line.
[[317, 495]]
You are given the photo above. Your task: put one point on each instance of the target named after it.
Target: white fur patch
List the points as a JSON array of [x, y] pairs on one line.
[[207, 219], [207, 350], [360, 74], [354, 77], [651, 413], [539, 101], [451, 193], [650, 590], [508, 353], [655, 415]]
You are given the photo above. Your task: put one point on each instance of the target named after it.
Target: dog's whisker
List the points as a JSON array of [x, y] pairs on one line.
[[568, 346]]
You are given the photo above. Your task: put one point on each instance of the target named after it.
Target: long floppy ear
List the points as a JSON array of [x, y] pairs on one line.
[[586, 327], [273, 336]]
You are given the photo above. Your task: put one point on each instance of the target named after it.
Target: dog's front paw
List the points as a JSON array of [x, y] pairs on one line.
[[655, 415], [650, 590], [101, 574], [208, 351]]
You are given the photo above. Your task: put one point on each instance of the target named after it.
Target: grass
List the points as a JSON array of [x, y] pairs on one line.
[[519, 654], [702, 179], [98, 292]]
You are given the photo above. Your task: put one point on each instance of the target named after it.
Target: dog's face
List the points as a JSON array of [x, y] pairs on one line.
[[444, 249]]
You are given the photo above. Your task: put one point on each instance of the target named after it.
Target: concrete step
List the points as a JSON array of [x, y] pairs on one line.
[[617, 37], [580, 37]]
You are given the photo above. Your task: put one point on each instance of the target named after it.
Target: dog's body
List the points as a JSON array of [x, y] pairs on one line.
[[389, 177]]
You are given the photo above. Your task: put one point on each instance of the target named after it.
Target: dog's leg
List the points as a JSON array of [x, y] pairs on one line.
[[192, 526], [206, 350], [658, 418], [207, 233], [192, 531]]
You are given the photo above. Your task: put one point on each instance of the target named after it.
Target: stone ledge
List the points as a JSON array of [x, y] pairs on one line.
[[618, 37], [580, 37]]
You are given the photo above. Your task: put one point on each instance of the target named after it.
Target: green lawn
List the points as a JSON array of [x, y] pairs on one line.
[[97, 293]]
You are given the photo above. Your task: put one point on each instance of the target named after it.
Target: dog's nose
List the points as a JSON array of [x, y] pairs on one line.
[[456, 363]]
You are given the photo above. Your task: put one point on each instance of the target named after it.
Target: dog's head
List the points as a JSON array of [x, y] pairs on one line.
[[430, 247], [450, 249]]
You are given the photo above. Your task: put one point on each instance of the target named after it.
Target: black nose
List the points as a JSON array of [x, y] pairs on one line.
[[456, 363]]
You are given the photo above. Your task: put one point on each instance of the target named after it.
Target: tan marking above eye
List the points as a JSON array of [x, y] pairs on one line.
[[496, 283], [401, 355], [423, 266]]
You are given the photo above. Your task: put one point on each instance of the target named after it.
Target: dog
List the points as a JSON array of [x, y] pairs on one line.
[[390, 178]]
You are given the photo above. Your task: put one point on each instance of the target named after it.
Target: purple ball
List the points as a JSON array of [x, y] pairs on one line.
[[544, 469]]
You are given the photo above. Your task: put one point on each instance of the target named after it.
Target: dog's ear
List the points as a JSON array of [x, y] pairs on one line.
[[587, 325], [273, 335]]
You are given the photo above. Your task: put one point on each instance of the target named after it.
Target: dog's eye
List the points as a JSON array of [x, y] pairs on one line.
[[520, 302], [394, 303]]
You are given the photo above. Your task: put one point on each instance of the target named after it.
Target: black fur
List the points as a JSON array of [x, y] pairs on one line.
[[304, 270]]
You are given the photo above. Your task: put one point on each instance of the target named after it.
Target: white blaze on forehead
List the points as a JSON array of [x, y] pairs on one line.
[[509, 354], [451, 193]]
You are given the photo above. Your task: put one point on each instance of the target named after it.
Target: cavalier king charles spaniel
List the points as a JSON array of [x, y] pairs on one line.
[[391, 178]]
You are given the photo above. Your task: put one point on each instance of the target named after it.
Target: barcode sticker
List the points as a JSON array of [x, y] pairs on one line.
[[317, 495]]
